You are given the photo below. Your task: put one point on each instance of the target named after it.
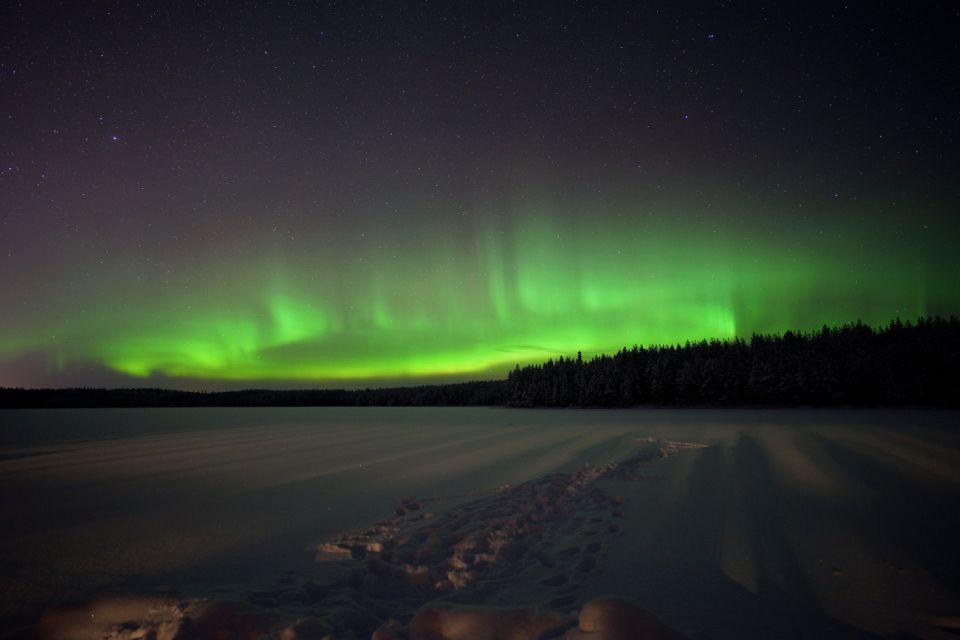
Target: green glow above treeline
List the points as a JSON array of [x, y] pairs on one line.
[[449, 303]]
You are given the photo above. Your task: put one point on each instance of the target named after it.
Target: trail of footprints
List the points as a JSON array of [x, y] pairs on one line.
[[548, 533]]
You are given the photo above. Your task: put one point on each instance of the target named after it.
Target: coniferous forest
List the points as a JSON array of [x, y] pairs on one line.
[[902, 364]]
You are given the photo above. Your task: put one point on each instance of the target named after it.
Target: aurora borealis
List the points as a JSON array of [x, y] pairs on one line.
[[344, 197]]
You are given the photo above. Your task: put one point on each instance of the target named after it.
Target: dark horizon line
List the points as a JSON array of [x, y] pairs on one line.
[[395, 387], [900, 364]]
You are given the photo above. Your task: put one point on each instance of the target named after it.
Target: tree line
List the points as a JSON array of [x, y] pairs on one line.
[[478, 393], [901, 364]]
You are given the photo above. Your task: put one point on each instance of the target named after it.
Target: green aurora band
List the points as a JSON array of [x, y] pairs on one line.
[[453, 304]]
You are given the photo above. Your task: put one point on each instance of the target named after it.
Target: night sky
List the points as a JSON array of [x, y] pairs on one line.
[[220, 195]]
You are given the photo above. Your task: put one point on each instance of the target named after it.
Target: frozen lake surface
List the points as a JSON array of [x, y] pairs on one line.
[[793, 523]]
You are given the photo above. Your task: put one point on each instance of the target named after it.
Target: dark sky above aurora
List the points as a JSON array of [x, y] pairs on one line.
[[220, 195]]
